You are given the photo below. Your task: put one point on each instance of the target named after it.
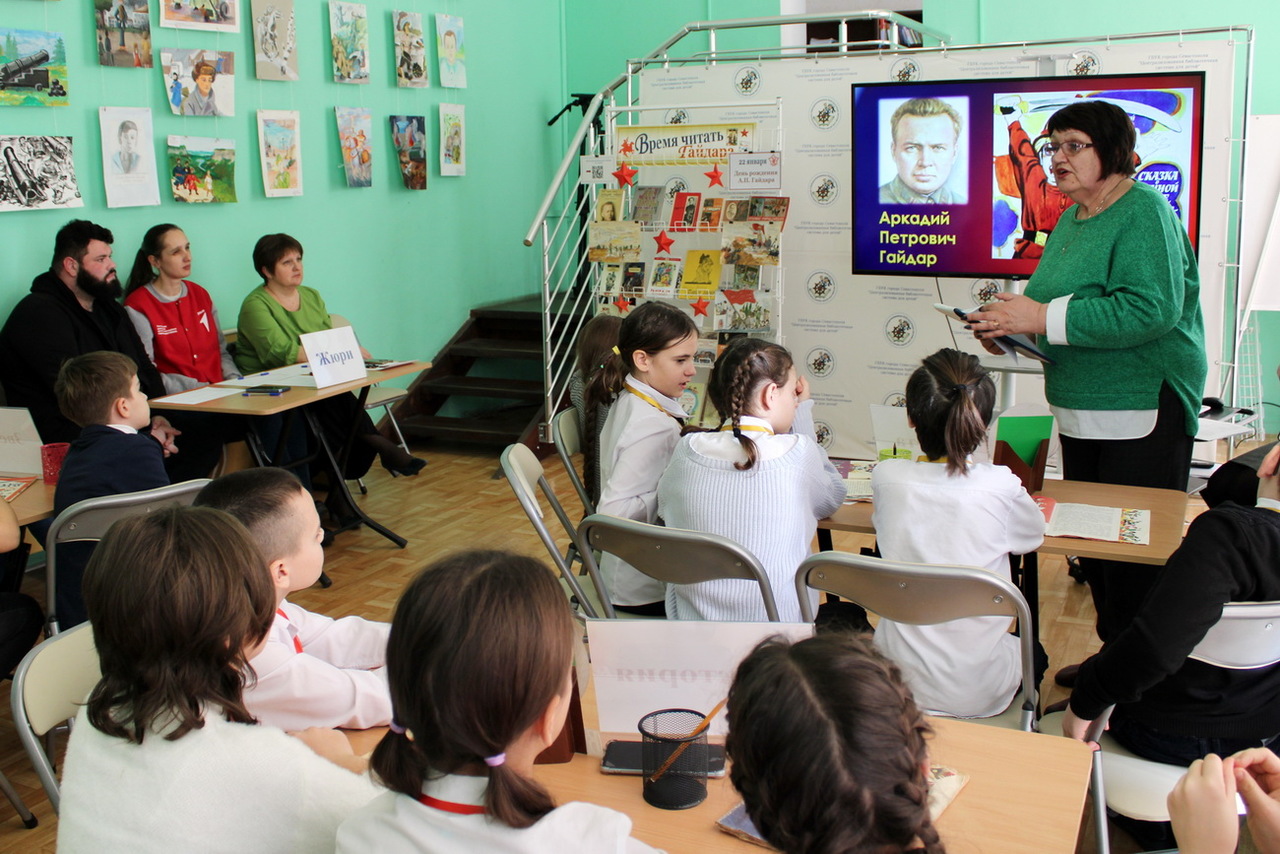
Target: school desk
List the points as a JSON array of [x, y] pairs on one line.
[[33, 503], [1026, 792], [1168, 519], [296, 398]]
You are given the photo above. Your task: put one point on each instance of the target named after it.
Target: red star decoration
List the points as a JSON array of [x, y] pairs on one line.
[[715, 175], [625, 174], [626, 147], [622, 304], [700, 306], [664, 242]]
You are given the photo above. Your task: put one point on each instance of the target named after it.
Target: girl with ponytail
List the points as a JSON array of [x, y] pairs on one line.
[[478, 663], [950, 510], [761, 480], [828, 749]]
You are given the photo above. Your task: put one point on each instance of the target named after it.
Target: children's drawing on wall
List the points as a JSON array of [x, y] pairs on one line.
[[37, 173], [453, 139], [280, 146], [33, 69], [355, 129], [128, 159], [275, 40], [409, 135], [203, 169], [349, 39], [452, 51], [221, 16], [199, 82], [411, 50], [123, 32]]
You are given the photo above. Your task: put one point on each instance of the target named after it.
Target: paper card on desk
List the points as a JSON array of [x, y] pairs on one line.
[[11, 487], [640, 666], [334, 356], [198, 395], [1091, 522], [19, 441], [1024, 433], [894, 436]]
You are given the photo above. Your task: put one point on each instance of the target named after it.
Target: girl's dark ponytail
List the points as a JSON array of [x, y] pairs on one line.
[[141, 274], [950, 398]]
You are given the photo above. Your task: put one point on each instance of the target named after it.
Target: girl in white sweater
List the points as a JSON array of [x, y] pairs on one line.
[[952, 511], [644, 378], [760, 479], [479, 664]]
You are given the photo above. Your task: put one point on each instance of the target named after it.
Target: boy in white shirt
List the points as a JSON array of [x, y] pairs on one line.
[[313, 670]]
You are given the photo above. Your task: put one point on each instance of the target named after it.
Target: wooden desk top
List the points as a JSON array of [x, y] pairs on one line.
[[34, 503], [261, 404], [1026, 792], [1168, 519]]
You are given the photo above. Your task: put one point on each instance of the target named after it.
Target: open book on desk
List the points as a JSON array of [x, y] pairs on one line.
[[857, 478], [1091, 522]]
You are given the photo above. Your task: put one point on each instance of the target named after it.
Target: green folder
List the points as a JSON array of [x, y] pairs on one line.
[[1024, 433]]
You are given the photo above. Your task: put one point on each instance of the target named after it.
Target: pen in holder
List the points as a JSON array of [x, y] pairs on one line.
[[674, 758], [1032, 476]]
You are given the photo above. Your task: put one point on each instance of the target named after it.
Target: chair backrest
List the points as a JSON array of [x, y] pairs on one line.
[[1246, 637], [49, 686], [922, 594], [567, 436], [89, 520], [523, 471], [673, 555]]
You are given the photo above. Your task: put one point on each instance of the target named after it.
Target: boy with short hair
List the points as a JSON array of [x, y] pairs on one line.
[[313, 670], [115, 452]]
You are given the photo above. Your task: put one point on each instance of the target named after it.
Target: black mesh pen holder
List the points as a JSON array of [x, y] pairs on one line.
[[674, 761]]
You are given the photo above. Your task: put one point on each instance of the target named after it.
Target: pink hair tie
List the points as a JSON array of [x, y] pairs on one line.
[[495, 761]]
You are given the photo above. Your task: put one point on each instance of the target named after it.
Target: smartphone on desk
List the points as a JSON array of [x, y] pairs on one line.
[[267, 389], [625, 757]]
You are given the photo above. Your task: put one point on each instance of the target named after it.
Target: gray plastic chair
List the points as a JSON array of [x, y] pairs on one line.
[[922, 595], [88, 521], [1246, 637], [49, 686], [568, 441], [670, 555], [523, 470]]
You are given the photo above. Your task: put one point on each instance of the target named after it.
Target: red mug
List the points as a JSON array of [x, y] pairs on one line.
[[51, 457]]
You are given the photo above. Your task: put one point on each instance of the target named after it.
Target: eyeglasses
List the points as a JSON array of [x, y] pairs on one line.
[[1071, 149]]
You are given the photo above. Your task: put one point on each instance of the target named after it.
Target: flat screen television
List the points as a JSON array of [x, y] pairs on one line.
[[964, 191]]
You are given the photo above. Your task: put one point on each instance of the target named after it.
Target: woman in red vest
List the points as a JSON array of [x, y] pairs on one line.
[[174, 317]]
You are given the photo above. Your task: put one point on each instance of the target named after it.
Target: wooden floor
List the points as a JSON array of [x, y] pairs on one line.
[[459, 501]]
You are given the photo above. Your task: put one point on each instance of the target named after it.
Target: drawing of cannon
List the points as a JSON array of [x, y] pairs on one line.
[[25, 72], [25, 188]]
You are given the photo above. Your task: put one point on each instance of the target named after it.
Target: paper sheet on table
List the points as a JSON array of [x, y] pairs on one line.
[[1211, 429], [892, 432], [640, 666], [19, 442], [291, 375], [199, 395]]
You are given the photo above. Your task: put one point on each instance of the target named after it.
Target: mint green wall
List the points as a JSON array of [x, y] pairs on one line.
[[404, 266], [602, 36], [986, 21]]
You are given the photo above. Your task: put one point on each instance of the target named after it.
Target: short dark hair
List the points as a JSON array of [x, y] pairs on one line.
[[950, 398], [828, 748], [175, 597], [481, 643], [1109, 128], [259, 499], [88, 385], [72, 240], [269, 249]]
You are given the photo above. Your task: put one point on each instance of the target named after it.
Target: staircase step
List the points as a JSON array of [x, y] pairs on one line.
[[497, 348], [500, 428], [528, 390]]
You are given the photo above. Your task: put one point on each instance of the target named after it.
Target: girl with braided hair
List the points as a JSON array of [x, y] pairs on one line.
[[950, 510], [760, 479], [643, 377], [828, 749]]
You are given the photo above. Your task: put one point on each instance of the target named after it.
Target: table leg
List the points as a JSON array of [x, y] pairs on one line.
[[824, 540], [1029, 583], [338, 484]]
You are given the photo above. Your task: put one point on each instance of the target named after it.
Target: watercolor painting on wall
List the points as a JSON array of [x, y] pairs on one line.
[[355, 130], [203, 169], [349, 39], [275, 40], [280, 146]]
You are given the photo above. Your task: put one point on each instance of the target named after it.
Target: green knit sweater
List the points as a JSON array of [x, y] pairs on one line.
[[268, 334], [1134, 318]]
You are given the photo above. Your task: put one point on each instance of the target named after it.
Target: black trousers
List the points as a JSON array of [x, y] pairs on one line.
[[1161, 459]]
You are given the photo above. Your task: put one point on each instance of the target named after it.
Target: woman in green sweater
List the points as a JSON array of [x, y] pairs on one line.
[[272, 318], [1115, 302]]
